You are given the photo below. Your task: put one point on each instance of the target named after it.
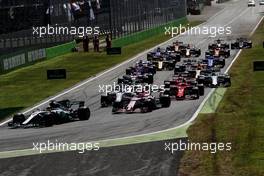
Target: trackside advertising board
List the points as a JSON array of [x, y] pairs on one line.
[[258, 66], [22, 59]]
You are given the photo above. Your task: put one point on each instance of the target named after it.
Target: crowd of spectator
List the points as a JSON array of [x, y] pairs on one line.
[[15, 17]]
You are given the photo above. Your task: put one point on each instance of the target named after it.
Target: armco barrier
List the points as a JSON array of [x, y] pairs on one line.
[[24, 58], [143, 35]]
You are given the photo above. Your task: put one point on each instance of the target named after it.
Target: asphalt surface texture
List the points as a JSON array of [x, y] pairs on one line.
[[102, 124], [130, 160]]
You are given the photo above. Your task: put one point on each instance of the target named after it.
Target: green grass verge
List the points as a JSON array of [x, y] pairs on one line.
[[27, 86], [212, 103], [239, 119], [60, 50]]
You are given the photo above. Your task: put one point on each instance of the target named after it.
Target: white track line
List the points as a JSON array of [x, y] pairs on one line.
[[256, 27]]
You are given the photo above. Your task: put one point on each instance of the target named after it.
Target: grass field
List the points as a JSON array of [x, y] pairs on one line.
[[239, 119], [27, 86]]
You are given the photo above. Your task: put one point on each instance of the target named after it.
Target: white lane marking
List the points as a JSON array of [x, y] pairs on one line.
[[218, 13], [234, 19], [256, 27], [233, 61]]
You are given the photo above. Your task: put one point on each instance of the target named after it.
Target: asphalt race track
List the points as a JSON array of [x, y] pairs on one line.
[[104, 125]]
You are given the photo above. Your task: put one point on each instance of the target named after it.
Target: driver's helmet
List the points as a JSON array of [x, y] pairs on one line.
[[48, 108], [54, 104]]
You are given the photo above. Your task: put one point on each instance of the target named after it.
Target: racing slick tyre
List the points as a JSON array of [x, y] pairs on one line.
[[114, 110], [171, 66], [198, 53], [227, 55], [233, 46], [200, 80], [150, 79], [196, 93], [153, 70], [165, 101], [167, 84], [149, 57], [84, 113], [128, 71], [105, 102], [120, 81], [222, 62], [167, 92], [19, 118], [178, 58], [201, 89], [227, 46], [146, 108], [116, 107]]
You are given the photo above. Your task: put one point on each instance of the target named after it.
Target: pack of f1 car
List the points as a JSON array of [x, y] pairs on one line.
[[191, 76], [130, 102]]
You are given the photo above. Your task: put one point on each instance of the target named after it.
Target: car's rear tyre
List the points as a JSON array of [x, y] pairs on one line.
[[19, 118], [201, 89], [150, 79], [196, 91], [128, 71], [165, 101], [84, 113], [105, 101], [144, 109], [120, 80]]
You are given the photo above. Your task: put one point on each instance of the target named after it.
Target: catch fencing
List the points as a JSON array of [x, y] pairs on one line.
[[119, 18]]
